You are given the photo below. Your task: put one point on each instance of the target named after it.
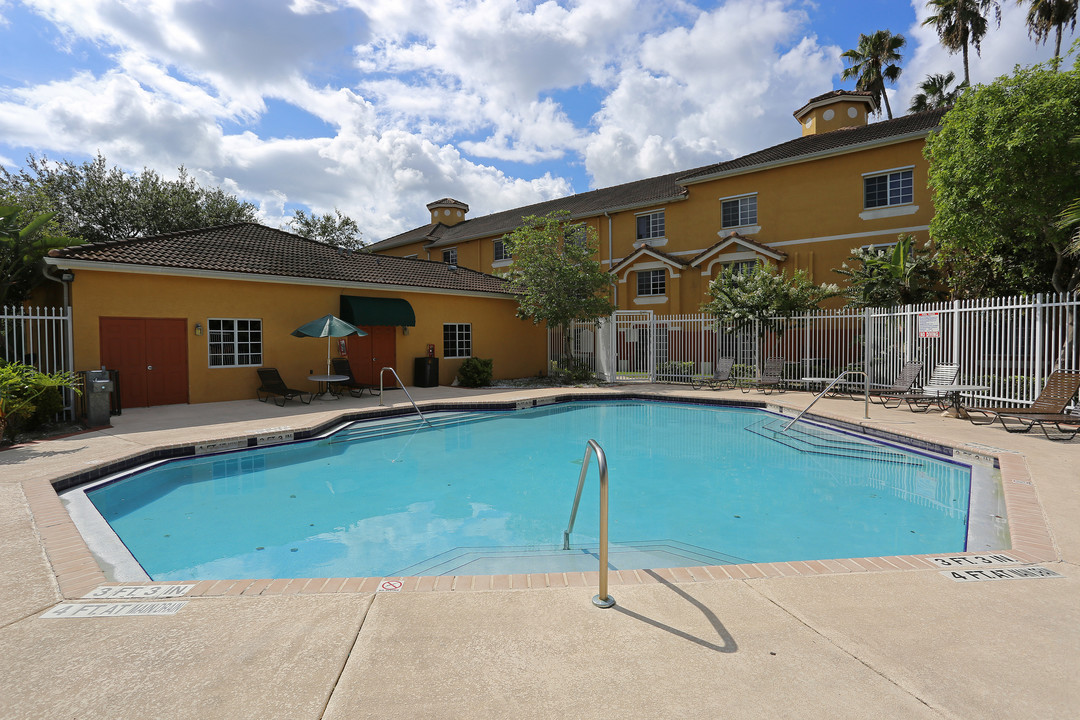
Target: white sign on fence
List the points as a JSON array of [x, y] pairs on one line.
[[930, 325]]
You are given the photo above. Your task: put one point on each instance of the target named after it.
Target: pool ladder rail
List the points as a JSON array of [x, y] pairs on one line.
[[838, 378], [402, 385], [601, 599]]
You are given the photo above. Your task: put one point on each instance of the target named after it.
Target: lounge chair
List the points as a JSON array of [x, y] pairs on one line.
[[721, 376], [1060, 389], [770, 378], [909, 375], [340, 366], [944, 374], [1024, 423], [273, 386]]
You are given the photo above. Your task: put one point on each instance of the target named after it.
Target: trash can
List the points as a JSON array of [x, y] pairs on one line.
[[98, 387], [426, 372]]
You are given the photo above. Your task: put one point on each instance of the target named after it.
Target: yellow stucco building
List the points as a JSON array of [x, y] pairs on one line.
[[804, 204], [190, 316]]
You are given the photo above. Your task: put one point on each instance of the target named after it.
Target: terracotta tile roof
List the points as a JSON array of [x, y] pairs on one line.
[[752, 244], [251, 248], [836, 94], [665, 188], [915, 124], [639, 193]]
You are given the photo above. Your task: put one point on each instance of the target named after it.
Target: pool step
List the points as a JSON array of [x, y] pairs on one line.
[[405, 424], [552, 558], [810, 439]]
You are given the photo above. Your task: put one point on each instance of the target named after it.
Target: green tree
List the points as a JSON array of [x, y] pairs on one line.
[[874, 62], [1050, 16], [961, 24], [934, 93], [763, 295], [96, 203], [1001, 170], [1069, 220], [336, 229], [900, 275], [22, 244], [557, 275]]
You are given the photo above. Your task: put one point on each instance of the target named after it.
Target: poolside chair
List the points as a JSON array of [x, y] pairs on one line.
[[944, 374], [340, 366], [273, 386], [909, 375], [770, 378], [1047, 409], [721, 376]]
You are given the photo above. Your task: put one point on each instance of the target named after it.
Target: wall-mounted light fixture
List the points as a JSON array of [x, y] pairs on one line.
[[198, 328], [67, 276], [404, 329]]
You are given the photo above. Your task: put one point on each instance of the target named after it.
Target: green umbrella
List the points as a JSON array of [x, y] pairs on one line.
[[328, 327]]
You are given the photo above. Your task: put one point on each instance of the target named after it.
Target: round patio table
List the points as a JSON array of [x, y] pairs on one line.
[[325, 381]]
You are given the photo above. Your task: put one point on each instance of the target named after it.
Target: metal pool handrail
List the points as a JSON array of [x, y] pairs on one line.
[[394, 373], [866, 400], [602, 599]]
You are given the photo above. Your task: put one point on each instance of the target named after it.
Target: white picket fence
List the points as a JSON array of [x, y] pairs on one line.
[[1008, 344], [38, 336]]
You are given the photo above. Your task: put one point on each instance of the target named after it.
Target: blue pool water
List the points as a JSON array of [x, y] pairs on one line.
[[491, 493]]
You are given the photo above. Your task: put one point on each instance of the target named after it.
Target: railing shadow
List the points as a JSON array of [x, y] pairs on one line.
[[727, 644]]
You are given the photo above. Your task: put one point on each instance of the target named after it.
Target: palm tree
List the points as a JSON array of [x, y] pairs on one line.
[[1045, 16], [874, 62], [960, 24], [936, 93]]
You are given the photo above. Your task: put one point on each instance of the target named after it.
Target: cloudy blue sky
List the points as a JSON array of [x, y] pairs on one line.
[[378, 107]]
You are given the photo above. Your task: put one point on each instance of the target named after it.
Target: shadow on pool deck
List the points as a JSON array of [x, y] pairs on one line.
[[851, 642]]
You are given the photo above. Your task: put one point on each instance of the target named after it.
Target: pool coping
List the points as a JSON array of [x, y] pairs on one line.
[[77, 571]]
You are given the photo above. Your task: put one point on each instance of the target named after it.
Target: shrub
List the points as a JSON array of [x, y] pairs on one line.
[[29, 398], [476, 372], [577, 373]]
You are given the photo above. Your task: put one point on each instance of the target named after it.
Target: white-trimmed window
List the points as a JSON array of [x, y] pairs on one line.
[[891, 188], [449, 256], [499, 251], [457, 340], [234, 342], [741, 267], [650, 225], [738, 212], [651, 282]]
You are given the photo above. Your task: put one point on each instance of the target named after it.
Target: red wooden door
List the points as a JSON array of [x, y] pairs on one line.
[[151, 355], [371, 353]]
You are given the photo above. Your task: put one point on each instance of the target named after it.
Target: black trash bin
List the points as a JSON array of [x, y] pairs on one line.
[[426, 372]]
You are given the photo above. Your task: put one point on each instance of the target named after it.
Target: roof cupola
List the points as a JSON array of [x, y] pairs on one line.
[[448, 211], [834, 110]]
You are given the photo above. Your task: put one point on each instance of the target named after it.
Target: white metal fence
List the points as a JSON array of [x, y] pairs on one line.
[[38, 336], [1007, 344]]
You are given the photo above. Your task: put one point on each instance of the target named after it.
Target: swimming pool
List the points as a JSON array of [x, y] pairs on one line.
[[490, 492]]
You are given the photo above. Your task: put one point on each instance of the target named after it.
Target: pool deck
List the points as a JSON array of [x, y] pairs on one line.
[[856, 638]]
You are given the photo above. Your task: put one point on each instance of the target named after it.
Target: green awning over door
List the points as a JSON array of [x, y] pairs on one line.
[[377, 311]]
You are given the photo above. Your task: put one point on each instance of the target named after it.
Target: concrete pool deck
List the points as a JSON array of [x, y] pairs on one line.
[[892, 637]]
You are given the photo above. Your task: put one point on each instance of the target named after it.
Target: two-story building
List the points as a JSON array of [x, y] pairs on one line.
[[803, 204]]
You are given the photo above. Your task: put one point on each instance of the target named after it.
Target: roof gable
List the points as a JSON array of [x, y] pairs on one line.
[[737, 240]]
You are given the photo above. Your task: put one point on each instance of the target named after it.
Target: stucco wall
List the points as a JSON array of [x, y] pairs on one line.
[[518, 348]]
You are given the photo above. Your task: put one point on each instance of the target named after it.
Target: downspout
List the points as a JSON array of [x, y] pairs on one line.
[[610, 259], [69, 340]]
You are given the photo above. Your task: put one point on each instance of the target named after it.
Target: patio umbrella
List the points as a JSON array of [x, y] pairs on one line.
[[328, 327]]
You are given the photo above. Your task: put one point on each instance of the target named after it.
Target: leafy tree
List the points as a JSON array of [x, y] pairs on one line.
[[874, 62], [1070, 216], [337, 229], [22, 245], [763, 295], [900, 275], [961, 24], [556, 273], [99, 204], [934, 93], [1050, 16], [1001, 170]]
